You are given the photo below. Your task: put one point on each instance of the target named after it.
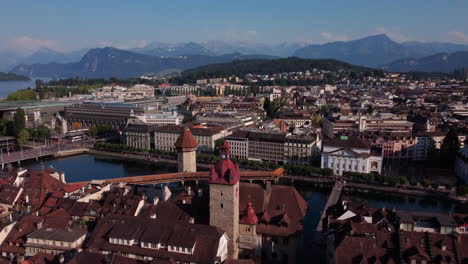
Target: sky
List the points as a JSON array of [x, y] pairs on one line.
[[65, 25]]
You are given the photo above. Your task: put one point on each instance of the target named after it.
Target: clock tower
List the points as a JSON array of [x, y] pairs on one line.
[[224, 198]]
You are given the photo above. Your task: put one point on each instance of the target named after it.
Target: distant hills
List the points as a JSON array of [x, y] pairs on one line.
[[268, 66], [8, 77], [441, 62], [172, 50], [213, 48], [8, 60], [112, 62], [375, 50]]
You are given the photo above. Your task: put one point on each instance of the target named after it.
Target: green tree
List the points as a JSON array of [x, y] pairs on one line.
[[3, 127], [426, 182], [41, 132], [22, 95], [218, 144], [22, 137], [19, 121], [402, 180]]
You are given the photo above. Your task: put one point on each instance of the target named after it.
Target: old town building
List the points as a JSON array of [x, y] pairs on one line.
[[342, 154]]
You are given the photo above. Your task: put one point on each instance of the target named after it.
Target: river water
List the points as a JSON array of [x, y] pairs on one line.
[[88, 167]]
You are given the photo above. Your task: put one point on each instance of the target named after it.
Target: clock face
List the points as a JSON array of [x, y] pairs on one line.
[[223, 156]]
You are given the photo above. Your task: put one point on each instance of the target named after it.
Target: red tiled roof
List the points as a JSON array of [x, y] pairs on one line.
[[71, 187], [186, 140], [41, 258], [282, 209], [37, 185]]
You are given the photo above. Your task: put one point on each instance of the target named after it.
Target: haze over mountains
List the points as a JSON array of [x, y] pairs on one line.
[[377, 51], [8, 60], [440, 62], [112, 62]]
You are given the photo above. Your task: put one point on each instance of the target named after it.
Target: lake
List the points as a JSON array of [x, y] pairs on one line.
[[9, 87]]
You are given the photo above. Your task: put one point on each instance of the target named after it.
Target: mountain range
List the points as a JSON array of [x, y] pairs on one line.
[[440, 62], [111, 62], [378, 51], [8, 60], [375, 50]]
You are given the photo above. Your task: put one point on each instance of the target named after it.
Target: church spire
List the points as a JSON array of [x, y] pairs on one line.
[[249, 217]]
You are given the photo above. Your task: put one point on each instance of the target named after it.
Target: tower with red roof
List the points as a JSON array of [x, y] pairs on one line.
[[224, 198], [186, 146]]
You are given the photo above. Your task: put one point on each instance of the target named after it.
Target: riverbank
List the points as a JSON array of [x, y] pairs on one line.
[[387, 189], [73, 152], [318, 179], [141, 157]]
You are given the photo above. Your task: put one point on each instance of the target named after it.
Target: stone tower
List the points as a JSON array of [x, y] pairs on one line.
[[186, 146], [224, 198]]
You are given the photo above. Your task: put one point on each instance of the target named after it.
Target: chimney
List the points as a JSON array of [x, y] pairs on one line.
[[39, 225], [26, 198], [62, 177]]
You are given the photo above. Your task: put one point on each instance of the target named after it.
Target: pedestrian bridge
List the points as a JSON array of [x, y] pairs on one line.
[[332, 200], [50, 150], [195, 176]]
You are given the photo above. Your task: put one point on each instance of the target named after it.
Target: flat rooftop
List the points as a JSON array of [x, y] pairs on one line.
[[12, 105]]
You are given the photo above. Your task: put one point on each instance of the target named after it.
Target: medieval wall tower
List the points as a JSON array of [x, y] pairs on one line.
[[186, 146], [224, 198]]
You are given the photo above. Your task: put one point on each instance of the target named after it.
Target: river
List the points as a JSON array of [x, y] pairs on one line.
[[88, 167]]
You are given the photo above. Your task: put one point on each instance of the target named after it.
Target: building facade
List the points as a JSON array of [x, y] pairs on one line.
[[205, 135], [137, 135], [277, 147], [380, 123], [351, 154]]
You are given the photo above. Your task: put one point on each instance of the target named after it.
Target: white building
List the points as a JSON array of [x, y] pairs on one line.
[[164, 118], [350, 154]]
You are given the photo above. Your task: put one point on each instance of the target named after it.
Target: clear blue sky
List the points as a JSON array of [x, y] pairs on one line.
[[70, 24]]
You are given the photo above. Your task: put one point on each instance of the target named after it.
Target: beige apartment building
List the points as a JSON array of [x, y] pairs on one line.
[[205, 135]]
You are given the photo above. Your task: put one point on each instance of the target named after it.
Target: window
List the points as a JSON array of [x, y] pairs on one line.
[[221, 205]]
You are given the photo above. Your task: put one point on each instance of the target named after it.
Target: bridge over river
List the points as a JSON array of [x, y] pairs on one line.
[[332, 200], [43, 151], [195, 176]]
